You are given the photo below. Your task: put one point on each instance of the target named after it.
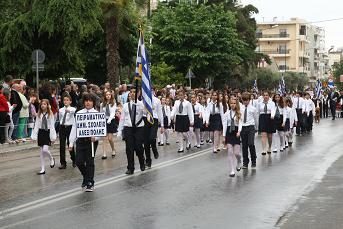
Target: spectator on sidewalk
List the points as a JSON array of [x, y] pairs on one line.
[[9, 122], [3, 115], [7, 82], [23, 115], [16, 102]]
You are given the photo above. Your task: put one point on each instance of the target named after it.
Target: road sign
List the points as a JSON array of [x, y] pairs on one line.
[[40, 67], [38, 56], [190, 74]]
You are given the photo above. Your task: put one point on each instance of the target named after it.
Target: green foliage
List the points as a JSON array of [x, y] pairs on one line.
[[337, 72], [58, 27], [200, 37], [162, 75]]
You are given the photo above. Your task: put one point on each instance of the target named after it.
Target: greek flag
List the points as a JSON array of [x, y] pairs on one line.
[[318, 89], [282, 87], [254, 88], [143, 73]]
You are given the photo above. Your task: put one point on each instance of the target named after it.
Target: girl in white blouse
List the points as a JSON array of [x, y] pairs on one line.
[[280, 122], [108, 106], [44, 133], [232, 127]]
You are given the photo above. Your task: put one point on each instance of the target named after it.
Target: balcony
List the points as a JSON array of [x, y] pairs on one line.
[[274, 37], [304, 54], [276, 52]]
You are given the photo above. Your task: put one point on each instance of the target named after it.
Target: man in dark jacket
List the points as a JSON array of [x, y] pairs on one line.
[[333, 102], [15, 99]]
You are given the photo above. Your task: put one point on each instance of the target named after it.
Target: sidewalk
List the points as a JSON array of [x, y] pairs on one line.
[[322, 207]]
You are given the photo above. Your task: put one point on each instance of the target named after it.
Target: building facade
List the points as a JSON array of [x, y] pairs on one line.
[[294, 45]]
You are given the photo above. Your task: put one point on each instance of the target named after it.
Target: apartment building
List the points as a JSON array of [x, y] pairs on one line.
[[294, 45]]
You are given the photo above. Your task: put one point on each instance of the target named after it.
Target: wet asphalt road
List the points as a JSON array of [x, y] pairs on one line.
[[192, 190]]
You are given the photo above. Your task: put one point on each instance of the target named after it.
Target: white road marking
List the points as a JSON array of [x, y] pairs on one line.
[[77, 191]]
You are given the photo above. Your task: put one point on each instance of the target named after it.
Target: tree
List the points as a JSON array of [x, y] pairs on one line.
[[119, 15], [162, 74], [337, 72], [201, 37], [58, 27]]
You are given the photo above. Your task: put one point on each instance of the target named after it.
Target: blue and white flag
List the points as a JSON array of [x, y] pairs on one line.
[[143, 73], [282, 87], [254, 88], [318, 89]]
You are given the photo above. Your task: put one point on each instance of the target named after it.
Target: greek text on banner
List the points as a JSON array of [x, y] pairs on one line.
[[90, 125]]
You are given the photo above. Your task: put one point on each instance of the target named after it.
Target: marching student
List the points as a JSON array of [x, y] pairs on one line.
[[166, 110], [325, 104], [249, 128], [84, 159], [266, 126], [214, 119], [298, 104], [184, 118], [67, 120], [205, 134], [150, 130], [309, 112], [232, 127], [279, 122], [44, 133], [131, 129], [198, 120], [290, 120], [108, 106]]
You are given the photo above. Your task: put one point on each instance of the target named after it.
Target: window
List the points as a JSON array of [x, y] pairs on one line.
[[282, 49], [283, 67], [283, 32], [302, 30], [259, 33]]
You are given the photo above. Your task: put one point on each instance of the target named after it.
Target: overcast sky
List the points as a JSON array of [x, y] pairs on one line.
[[310, 10]]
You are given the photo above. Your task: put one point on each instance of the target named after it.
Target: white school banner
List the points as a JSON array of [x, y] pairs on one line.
[[90, 125]]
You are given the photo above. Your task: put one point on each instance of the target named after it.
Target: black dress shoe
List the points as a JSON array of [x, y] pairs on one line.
[[264, 154], [180, 151], [218, 150], [129, 172], [74, 164], [41, 173], [148, 165], [188, 147], [62, 167], [156, 155], [167, 143], [113, 155], [269, 152], [53, 165], [232, 175], [143, 167], [104, 157]]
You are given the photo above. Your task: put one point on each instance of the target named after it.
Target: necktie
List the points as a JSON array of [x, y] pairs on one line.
[[44, 122], [64, 117], [277, 113], [245, 114], [164, 111], [298, 103], [252, 102], [108, 113], [214, 108], [265, 108], [232, 125], [181, 108], [131, 111], [193, 108]]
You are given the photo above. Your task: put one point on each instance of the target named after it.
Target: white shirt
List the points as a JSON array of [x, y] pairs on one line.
[[167, 109], [72, 136], [156, 110], [125, 118], [252, 116], [38, 125], [254, 102], [270, 108], [198, 109], [70, 118], [308, 107], [187, 110], [209, 110], [113, 110], [295, 102], [227, 121]]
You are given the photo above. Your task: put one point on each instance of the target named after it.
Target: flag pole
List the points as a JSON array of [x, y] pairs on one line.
[[136, 88]]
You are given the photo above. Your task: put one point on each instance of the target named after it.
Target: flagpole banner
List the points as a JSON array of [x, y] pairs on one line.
[[318, 89], [143, 74]]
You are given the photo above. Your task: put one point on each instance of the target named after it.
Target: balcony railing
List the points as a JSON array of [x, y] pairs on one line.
[[274, 51], [279, 35]]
